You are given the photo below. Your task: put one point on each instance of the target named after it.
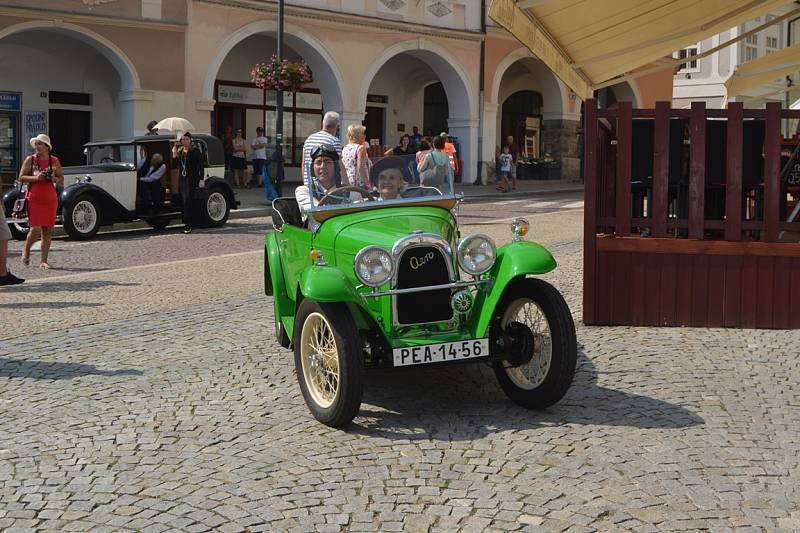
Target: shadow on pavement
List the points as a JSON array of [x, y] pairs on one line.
[[21, 368], [63, 286], [462, 403]]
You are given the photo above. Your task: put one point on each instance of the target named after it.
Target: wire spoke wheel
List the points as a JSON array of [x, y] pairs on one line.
[[84, 216], [320, 360], [541, 375], [533, 373], [328, 361], [216, 206]]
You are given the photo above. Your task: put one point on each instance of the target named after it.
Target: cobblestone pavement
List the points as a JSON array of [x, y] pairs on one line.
[[172, 409]]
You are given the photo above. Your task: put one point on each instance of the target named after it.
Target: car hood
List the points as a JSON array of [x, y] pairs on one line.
[[98, 169], [384, 227]]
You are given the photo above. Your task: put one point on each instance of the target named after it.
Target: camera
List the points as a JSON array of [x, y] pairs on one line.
[[47, 175]]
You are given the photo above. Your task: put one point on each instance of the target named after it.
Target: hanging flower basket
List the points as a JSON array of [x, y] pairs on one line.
[[281, 75]]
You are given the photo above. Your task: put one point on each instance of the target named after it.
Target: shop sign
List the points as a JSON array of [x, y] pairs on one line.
[[232, 94], [10, 101], [35, 123]]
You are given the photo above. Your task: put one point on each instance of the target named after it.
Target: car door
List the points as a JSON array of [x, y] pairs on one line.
[[295, 246]]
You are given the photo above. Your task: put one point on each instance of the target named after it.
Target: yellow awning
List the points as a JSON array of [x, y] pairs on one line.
[[763, 70], [587, 42]]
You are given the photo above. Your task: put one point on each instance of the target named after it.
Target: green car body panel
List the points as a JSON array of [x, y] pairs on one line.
[[290, 273]]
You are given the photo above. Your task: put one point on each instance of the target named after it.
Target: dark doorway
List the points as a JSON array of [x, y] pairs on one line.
[[228, 116], [374, 122], [437, 111], [69, 131], [521, 118]]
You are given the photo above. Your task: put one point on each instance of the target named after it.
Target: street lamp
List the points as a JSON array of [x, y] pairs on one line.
[[279, 107]]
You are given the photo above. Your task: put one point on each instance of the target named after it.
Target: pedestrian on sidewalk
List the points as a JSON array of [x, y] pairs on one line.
[[513, 149], [505, 160], [6, 277], [42, 172], [238, 159], [190, 163], [259, 145], [355, 158]]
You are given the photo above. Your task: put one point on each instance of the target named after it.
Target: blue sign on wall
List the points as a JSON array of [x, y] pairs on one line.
[[10, 101]]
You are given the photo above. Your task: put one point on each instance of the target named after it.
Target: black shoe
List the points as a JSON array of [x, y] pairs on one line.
[[10, 279], [187, 230]]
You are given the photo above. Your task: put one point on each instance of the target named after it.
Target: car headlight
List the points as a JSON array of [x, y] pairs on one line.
[[476, 254], [374, 266]]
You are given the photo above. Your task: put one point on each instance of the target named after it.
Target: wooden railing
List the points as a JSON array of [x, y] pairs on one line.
[[665, 184]]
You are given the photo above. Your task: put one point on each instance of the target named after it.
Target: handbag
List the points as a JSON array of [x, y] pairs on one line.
[[20, 209]]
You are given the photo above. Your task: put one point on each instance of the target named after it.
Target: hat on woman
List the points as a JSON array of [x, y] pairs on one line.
[[42, 138]]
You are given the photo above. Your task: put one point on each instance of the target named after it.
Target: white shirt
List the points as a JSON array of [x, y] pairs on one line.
[[154, 174], [259, 153]]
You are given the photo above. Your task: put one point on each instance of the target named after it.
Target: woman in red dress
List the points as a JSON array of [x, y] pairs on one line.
[[42, 172]]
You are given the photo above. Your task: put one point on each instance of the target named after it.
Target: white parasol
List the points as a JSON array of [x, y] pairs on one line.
[[174, 124]]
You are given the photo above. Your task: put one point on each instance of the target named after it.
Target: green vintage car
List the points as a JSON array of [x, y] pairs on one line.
[[359, 280]]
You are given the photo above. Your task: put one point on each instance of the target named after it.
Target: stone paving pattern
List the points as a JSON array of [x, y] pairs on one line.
[[167, 409]]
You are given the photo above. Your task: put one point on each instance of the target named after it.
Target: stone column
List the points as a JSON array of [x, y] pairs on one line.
[[135, 113], [466, 129], [489, 139], [560, 140]]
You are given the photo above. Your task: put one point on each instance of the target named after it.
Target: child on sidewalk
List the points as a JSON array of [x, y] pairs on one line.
[[505, 170]]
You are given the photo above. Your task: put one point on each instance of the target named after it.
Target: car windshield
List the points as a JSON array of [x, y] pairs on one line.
[[111, 153], [391, 180]]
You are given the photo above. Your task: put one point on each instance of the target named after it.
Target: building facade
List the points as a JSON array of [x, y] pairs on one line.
[[704, 79], [92, 69]]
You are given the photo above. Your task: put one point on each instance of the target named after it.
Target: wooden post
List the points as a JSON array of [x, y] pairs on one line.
[[772, 169], [623, 181], [697, 169], [590, 175], [660, 170], [733, 176]]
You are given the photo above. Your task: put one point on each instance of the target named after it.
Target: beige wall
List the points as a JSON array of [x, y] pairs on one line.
[[171, 10], [156, 55]]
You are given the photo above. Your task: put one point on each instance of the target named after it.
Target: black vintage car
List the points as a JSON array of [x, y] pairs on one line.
[[104, 191]]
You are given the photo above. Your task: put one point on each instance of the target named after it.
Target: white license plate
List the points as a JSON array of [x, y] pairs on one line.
[[439, 353]]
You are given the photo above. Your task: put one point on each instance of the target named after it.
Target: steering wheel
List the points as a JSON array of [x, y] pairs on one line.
[[347, 188], [107, 159], [424, 190]]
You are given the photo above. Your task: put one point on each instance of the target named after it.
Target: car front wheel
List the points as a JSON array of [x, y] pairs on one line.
[[542, 348], [82, 218], [328, 361]]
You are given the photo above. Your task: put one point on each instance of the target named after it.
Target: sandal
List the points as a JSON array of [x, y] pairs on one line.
[[45, 266]]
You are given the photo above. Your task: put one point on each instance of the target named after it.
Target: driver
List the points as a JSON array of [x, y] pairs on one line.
[[324, 160], [388, 178]]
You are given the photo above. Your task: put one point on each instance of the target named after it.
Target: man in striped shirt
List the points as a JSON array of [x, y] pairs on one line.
[[327, 135]]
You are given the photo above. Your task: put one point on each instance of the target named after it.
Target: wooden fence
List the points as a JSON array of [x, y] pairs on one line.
[[685, 214]]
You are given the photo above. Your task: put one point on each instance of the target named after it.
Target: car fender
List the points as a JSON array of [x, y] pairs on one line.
[[514, 260], [9, 198], [327, 284], [110, 209], [214, 181]]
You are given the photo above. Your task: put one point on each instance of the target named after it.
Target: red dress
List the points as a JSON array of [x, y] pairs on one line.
[[41, 195]]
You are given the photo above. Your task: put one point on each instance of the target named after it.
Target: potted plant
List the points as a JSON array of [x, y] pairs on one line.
[[282, 75]]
